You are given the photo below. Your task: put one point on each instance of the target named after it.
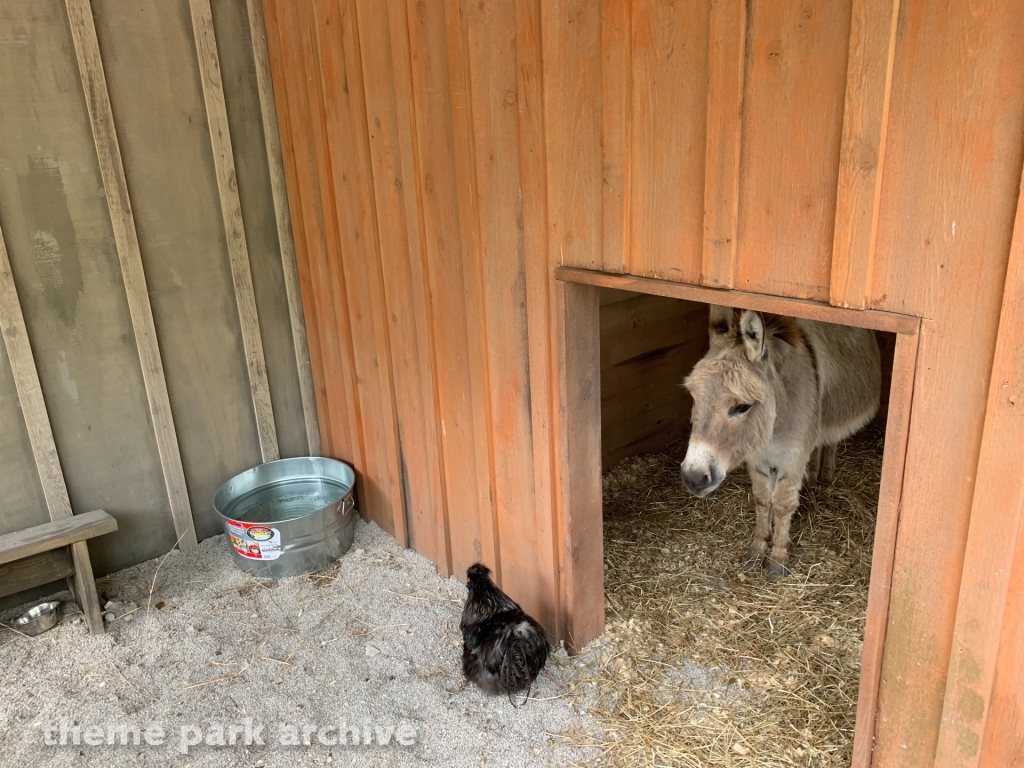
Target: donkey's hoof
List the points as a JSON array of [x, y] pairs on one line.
[[753, 561], [776, 570]]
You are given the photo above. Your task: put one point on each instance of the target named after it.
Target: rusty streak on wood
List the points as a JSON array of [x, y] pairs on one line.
[[865, 126], [897, 430], [126, 241], [234, 230], [811, 310], [726, 64], [257, 33]]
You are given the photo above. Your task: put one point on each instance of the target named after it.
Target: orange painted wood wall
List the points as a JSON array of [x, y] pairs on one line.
[[443, 156]]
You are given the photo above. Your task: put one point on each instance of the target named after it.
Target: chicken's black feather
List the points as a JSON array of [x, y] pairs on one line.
[[504, 649]]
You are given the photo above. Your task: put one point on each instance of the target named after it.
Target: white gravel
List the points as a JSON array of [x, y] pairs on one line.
[[373, 643]]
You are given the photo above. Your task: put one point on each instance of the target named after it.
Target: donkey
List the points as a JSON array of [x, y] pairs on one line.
[[778, 393]]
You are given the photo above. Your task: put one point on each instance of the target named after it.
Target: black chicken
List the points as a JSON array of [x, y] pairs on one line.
[[503, 649]]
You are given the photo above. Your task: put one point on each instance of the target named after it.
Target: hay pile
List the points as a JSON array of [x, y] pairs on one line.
[[703, 665]]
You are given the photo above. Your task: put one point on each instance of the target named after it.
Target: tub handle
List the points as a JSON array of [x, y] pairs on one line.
[[347, 505]]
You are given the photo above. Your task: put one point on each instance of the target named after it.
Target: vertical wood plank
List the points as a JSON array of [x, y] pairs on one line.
[[539, 277], [727, 35], [231, 210], [271, 135], [30, 394], [942, 251], [997, 519], [670, 100], [883, 553], [496, 108], [582, 544], [616, 129], [383, 46], [351, 187], [794, 78], [572, 109], [873, 26], [85, 587], [470, 205], [126, 241], [459, 384]]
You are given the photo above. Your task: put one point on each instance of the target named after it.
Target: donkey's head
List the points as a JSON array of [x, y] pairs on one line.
[[733, 399]]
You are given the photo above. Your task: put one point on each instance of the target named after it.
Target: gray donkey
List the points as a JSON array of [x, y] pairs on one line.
[[778, 393]]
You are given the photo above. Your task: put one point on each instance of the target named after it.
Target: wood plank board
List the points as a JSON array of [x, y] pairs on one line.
[[35, 570], [669, 128], [985, 615], [872, 56], [792, 128], [58, 533], [271, 136], [348, 181], [30, 394], [616, 131], [727, 39], [812, 310], [126, 240], [234, 229]]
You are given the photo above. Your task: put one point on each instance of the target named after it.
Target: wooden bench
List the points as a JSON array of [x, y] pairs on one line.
[[52, 551]]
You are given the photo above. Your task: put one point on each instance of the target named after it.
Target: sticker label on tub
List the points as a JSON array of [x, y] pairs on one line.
[[255, 540]]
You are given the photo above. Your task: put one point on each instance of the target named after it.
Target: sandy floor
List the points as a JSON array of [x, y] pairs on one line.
[[215, 657]]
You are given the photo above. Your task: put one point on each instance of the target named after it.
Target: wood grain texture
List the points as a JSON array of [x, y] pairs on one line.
[[108, 152], [348, 183], [954, 117], [30, 394], [727, 38], [234, 230], [35, 570], [873, 27], [573, 129], [271, 135], [384, 50], [792, 127], [616, 130], [890, 493], [669, 126], [85, 587], [58, 533], [985, 617], [812, 310], [582, 551]]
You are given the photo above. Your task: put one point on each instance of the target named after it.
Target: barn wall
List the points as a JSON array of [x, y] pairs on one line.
[[444, 157], [120, 265]]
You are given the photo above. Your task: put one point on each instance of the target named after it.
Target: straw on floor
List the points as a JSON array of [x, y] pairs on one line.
[[705, 665]]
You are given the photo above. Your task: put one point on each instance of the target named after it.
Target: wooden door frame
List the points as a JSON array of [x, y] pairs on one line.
[[582, 549]]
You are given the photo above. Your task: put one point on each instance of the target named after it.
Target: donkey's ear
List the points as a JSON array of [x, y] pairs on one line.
[[720, 320], [752, 334]]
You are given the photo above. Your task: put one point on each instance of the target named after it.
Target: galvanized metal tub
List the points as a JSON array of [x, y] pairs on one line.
[[288, 517]]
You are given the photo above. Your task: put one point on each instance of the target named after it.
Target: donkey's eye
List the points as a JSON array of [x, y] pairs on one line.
[[736, 410]]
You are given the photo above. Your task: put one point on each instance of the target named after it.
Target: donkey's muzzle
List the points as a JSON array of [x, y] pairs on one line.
[[700, 481]]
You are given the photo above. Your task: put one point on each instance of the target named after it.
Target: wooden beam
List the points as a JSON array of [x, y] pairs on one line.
[[873, 27], [126, 241], [271, 135], [726, 62], [582, 543], [30, 393], [805, 308], [58, 533], [897, 432], [35, 571], [234, 230]]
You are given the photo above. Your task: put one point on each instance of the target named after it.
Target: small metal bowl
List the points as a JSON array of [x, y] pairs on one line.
[[38, 619]]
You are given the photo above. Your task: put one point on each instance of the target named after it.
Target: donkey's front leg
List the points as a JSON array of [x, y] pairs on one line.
[[785, 499], [763, 529]]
